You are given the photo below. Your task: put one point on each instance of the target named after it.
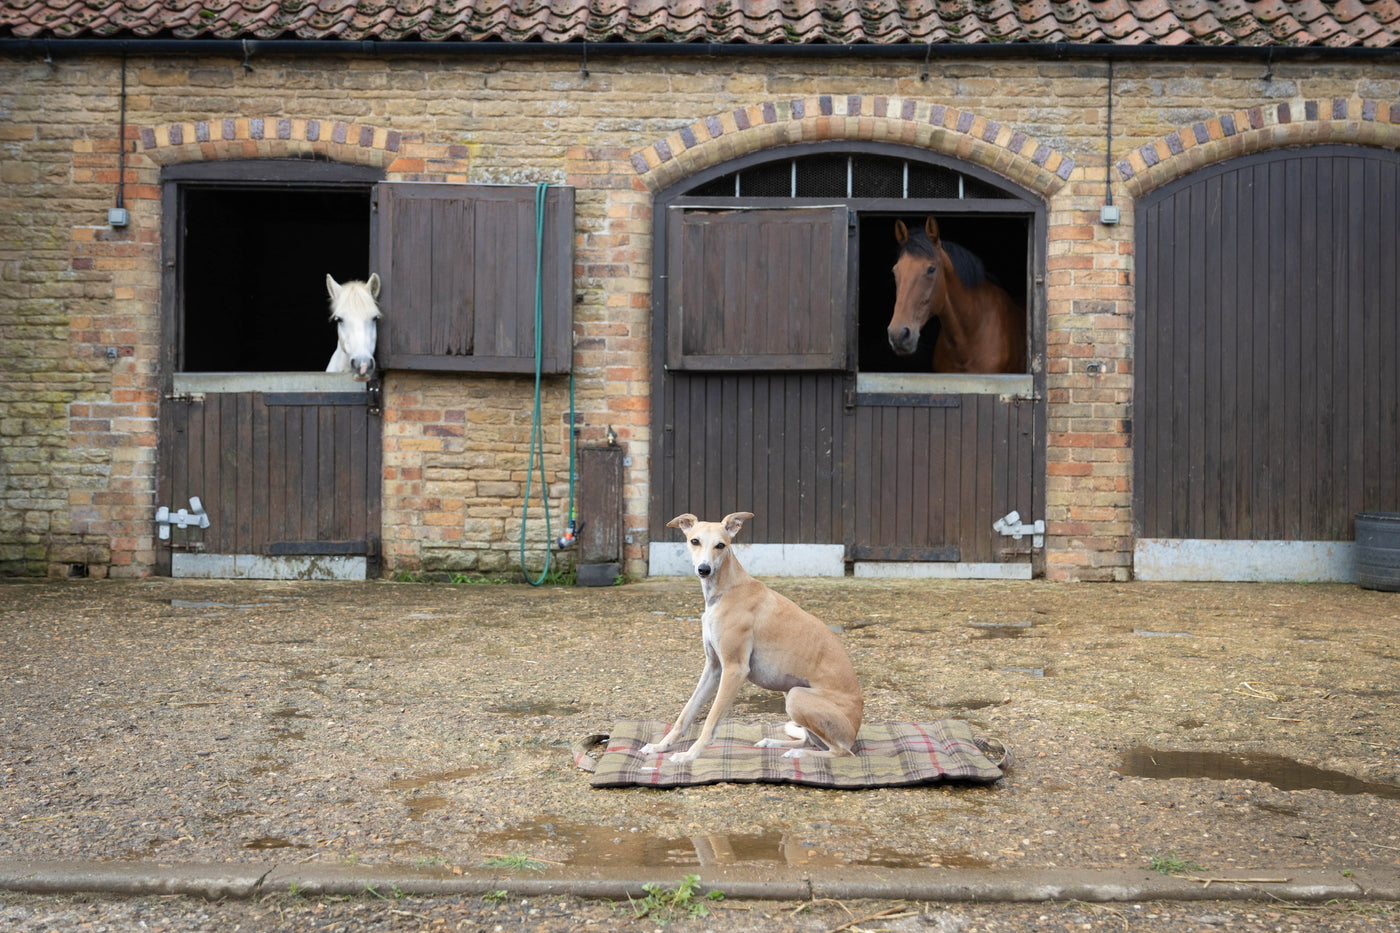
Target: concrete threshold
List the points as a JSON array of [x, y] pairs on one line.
[[220, 881]]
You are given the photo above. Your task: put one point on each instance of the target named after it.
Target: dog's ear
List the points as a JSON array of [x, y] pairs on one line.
[[683, 522], [734, 521]]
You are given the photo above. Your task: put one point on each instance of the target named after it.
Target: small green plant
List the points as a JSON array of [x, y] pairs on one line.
[[1173, 864], [407, 576], [294, 889], [663, 905], [495, 897], [513, 863], [563, 576], [467, 579]]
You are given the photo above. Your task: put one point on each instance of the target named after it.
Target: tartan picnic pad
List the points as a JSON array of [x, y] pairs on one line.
[[900, 754]]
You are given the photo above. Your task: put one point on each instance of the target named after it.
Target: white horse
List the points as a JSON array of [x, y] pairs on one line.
[[355, 313]]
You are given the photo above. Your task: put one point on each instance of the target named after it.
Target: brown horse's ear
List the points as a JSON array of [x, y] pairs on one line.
[[931, 228], [901, 233], [683, 522]]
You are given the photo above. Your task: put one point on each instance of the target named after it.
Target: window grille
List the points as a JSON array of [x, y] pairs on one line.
[[847, 176]]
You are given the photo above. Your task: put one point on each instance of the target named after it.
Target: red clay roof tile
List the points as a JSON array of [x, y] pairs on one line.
[[1374, 23]]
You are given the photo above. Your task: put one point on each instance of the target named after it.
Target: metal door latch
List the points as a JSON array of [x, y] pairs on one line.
[[182, 519], [1012, 527]]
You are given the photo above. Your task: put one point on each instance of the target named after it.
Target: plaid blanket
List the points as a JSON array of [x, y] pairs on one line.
[[887, 755]]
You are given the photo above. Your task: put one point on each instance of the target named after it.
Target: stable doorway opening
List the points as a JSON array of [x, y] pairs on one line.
[[255, 262]]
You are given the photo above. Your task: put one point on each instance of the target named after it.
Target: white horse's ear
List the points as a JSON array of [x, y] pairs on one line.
[[332, 286], [373, 284]]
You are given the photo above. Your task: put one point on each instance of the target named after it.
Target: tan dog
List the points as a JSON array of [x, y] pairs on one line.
[[752, 633]]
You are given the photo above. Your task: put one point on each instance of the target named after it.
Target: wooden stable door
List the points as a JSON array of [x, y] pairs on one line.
[[1268, 348], [931, 473], [761, 407], [289, 481]]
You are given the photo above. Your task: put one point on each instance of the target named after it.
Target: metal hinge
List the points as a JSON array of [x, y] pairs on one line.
[[185, 397]]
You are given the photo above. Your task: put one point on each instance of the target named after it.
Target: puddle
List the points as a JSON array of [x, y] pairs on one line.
[[1001, 629], [600, 846], [540, 708], [1029, 671], [210, 604], [1283, 773], [973, 704], [418, 783], [272, 842], [419, 807]]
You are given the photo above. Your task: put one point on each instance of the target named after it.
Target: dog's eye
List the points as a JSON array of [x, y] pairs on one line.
[[695, 541], [719, 547]]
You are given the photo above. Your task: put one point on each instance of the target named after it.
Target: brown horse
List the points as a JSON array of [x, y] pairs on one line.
[[982, 329]]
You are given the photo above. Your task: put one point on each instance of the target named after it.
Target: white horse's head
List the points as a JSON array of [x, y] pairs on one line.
[[356, 316]]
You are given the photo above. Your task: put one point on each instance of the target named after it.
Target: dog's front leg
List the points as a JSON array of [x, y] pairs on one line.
[[704, 690], [731, 679]]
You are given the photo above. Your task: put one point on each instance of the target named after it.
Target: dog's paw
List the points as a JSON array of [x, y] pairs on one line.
[[793, 753], [653, 748], [683, 758], [769, 743]]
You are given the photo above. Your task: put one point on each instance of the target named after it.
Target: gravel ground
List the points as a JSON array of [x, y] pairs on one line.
[[429, 727]]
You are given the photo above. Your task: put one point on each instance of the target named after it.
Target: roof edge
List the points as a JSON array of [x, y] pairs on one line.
[[1028, 51]]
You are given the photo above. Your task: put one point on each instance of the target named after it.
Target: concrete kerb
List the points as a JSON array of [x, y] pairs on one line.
[[216, 882]]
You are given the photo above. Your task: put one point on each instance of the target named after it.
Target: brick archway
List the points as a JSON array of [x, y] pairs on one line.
[[1290, 123], [959, 133], [402, 155]]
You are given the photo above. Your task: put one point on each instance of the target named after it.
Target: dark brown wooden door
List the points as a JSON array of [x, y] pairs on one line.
[[291, 474], [755, 415], [930, 474], [770, 442], [755, 339], [1267, 389]]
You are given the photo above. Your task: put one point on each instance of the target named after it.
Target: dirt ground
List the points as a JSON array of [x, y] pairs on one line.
[[1229, 726]]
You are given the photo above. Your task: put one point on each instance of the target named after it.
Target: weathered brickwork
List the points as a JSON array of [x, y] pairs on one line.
[[78, 423]]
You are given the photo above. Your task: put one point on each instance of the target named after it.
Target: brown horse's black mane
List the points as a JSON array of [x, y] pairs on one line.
[[968, 267]]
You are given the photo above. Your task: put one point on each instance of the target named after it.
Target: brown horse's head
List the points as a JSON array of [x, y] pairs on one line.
[[920, 283]]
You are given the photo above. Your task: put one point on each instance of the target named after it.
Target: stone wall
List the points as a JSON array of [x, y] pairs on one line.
[[79, 322]]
